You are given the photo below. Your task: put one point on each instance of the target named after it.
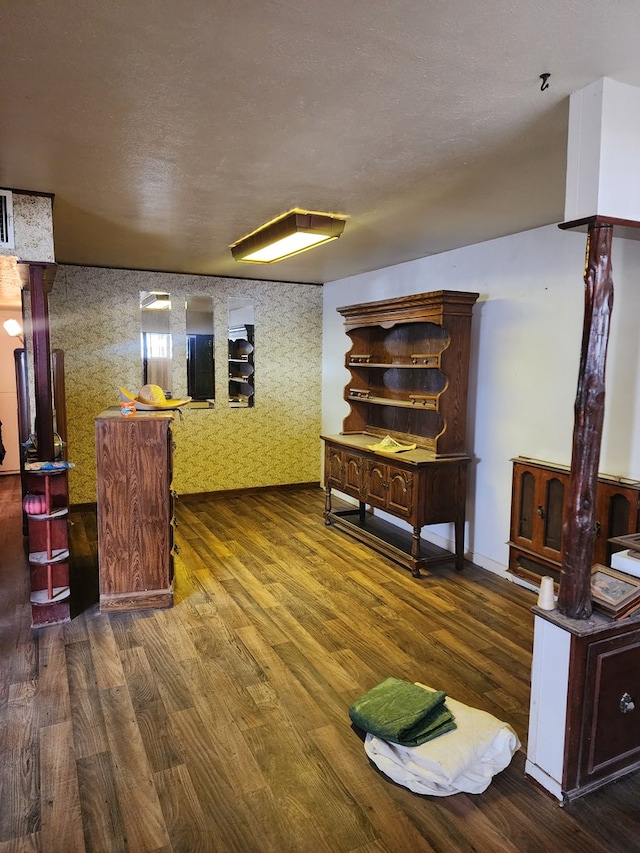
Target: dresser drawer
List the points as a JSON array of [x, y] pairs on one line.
[[611, 733]]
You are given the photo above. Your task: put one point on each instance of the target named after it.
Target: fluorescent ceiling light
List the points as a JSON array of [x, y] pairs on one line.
[[289, 234], [155, 301]]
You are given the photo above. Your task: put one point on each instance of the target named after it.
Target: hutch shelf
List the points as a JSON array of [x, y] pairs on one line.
[[408, 364], [241, 371]]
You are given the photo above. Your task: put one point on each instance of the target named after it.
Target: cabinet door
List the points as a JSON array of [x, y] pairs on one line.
[[611, 729], [616, 515], [353, 466], [333, 467], [538, 510], [376, 484], [524, 504], [389, 488], [552, 514], [400, 491]]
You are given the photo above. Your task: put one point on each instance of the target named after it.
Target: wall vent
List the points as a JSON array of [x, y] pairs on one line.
[[7, 240]]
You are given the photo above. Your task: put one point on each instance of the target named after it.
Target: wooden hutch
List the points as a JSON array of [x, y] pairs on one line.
[[409, 365]]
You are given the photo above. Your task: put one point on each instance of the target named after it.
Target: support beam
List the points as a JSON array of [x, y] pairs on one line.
[[574, 599], [38, 280]]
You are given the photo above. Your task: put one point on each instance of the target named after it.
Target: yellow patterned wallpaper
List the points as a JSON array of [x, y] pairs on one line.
[[95, 319], [32, 227]]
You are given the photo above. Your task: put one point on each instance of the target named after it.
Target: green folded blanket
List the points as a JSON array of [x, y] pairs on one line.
[[401, 712]]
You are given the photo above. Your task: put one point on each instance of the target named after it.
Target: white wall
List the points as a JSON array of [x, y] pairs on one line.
[[527, 331]]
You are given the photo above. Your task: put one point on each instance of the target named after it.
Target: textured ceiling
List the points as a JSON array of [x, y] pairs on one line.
[[168, 130]]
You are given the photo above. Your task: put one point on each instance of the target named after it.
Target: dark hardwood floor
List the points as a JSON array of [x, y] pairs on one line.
[[221, 724]]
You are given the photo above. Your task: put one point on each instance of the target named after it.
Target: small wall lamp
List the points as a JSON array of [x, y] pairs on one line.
[[287, 235], [13, 328]]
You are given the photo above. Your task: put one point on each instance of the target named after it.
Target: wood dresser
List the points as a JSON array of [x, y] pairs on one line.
[[409, 364], [134, 510], [584, 729]]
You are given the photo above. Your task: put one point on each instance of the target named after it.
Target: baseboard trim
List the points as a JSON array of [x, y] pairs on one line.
[[223, 493], [228, 493], [88, 507]]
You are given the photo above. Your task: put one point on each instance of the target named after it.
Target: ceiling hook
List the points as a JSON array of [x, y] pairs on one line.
[[544, 77]]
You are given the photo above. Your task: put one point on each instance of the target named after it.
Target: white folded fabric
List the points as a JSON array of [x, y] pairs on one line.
[[464, 760]]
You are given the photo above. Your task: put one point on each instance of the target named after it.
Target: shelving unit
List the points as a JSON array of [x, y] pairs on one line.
[[241, 372], [409, 364], [49, 547]]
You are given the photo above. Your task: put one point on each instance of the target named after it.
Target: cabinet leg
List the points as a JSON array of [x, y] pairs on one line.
[[459, 543], [363, 511], [416, 552], [327, 505]]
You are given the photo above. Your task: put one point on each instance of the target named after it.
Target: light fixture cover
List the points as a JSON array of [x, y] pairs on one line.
[[12, 327], [155, 301], [287, 235]]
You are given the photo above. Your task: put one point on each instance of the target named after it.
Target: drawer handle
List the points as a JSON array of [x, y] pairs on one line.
[[540, 511], [626, 704]]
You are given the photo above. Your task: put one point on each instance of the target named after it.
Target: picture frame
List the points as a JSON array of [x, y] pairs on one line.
[[630, 541], [614, 593]]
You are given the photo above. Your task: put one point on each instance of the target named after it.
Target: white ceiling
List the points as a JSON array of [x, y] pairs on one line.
[[167, 130]]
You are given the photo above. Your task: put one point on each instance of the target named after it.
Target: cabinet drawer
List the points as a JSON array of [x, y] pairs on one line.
[[611, 734], [530, 567]]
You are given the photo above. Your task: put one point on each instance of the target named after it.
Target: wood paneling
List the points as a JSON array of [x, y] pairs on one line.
[[134, 510]]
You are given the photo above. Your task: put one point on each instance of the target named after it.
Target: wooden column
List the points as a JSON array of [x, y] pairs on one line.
[[574, 599], [59, 399], [37, 281]]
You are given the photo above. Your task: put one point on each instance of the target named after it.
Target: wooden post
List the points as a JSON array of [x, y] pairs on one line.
[[59, 399], [37, 279], [41, 362], [574, 599]]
